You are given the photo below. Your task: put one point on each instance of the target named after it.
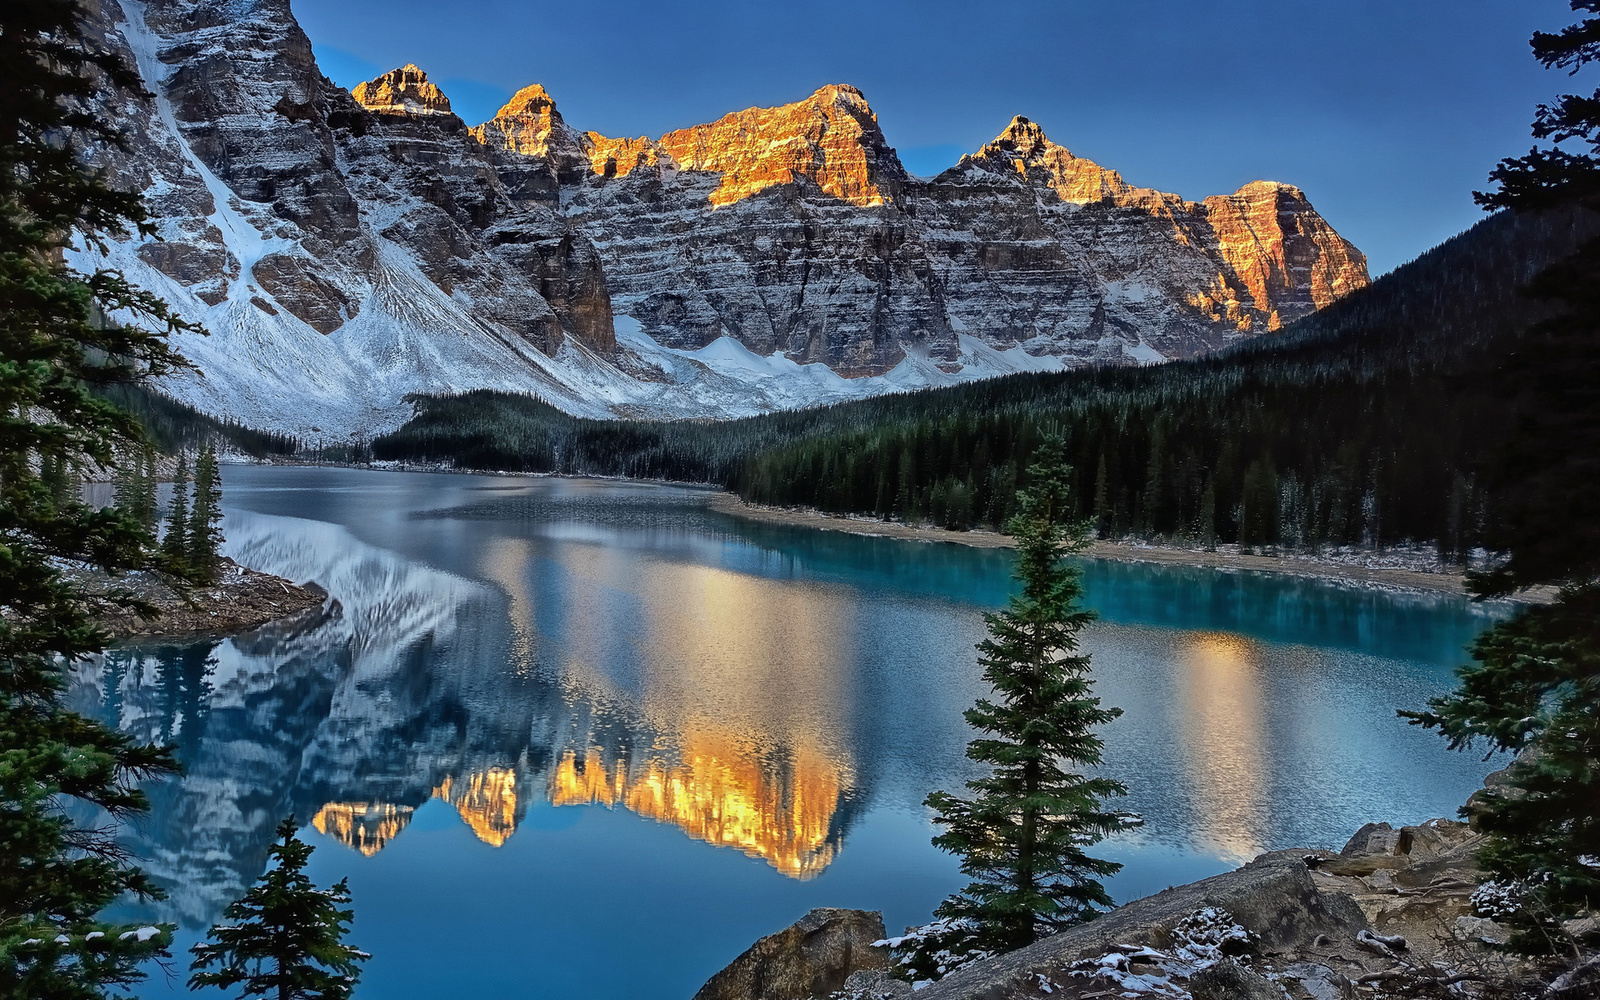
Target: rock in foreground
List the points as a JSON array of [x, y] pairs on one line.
[[810, 958], [1391, 916]]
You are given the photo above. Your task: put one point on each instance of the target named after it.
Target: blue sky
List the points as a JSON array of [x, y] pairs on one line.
[[1388, 113]]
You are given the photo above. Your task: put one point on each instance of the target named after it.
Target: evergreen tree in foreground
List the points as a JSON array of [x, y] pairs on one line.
[[1534, 685], [205, 533], [1022, 836], [56, 350], [285, 937], [175, 545], [1534, 689]]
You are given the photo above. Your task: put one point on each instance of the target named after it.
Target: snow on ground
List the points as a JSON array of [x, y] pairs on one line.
[[274, 372]]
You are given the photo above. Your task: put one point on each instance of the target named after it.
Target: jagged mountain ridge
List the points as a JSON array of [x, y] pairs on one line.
[[346, 249], [1019, 243]]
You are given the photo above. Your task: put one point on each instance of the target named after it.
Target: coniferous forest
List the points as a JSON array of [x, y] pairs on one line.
[[1367, 422]]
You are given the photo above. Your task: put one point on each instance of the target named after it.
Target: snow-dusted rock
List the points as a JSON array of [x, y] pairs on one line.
[[345, 249]]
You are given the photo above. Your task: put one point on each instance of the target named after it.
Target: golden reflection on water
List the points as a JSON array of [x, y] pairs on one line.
[[1220, 691], [743, 682], [783, 815], [737, 689], [365, 826], [506, 563]]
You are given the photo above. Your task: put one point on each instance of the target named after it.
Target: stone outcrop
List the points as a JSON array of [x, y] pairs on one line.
[[537, 150], [831, 140], [812, 957], [1287, 257], [521, 266], [429, 256], [1023, 151], [1297, 924], [238, 600]]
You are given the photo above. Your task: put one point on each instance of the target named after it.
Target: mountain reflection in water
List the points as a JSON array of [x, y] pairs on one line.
[[395, 695], [619, 693]]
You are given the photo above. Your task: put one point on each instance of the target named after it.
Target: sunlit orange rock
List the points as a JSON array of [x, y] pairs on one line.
[[1277, 258], [530, 125], [402, 91], [831, 139], [487, 802], [1024, 148], [620, 157], [1286, 255], [365, 826]]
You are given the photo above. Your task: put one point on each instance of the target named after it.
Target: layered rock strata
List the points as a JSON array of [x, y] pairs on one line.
[[796, 229], [346, 248]]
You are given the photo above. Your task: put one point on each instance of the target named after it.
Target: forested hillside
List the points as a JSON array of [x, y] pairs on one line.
[[1365, 422], [174, 427]]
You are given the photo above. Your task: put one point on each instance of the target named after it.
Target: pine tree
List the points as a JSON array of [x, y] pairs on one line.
[[285, 937], [125, 484], [1102, 500], [205, 519], [1023, 834], [146, 510], [1534, 687], [175, 545], [1534, 684], [61, 479], [56, 350]]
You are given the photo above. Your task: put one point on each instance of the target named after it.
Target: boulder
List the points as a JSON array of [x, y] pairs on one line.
[[812, 957], [1375, 838], [1314, 981], [1230, 981], [1273, 898]]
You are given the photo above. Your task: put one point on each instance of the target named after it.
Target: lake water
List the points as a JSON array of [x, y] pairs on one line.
[[574, 738]]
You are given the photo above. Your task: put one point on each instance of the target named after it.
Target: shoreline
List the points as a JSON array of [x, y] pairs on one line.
[[241, 600], [1375, 577], [1305, 566]]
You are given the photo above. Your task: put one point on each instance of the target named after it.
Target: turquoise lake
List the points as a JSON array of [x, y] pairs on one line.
[[573, 738]]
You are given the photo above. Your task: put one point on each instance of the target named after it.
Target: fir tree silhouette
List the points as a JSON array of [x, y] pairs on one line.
[[285, 939]]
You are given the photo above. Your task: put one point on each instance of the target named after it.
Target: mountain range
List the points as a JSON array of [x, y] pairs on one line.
[[347, 248]]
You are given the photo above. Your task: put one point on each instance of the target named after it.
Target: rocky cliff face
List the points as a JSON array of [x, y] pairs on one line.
[[345, 248], [796, 229]]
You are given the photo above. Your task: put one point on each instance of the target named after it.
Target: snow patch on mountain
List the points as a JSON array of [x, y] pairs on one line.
[[345, 252]]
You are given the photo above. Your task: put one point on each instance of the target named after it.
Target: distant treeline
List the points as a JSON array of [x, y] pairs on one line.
[[1365, 422]]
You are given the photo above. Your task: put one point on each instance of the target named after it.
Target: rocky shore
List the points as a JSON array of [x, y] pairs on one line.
[[1388, 917], [239, 600]]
